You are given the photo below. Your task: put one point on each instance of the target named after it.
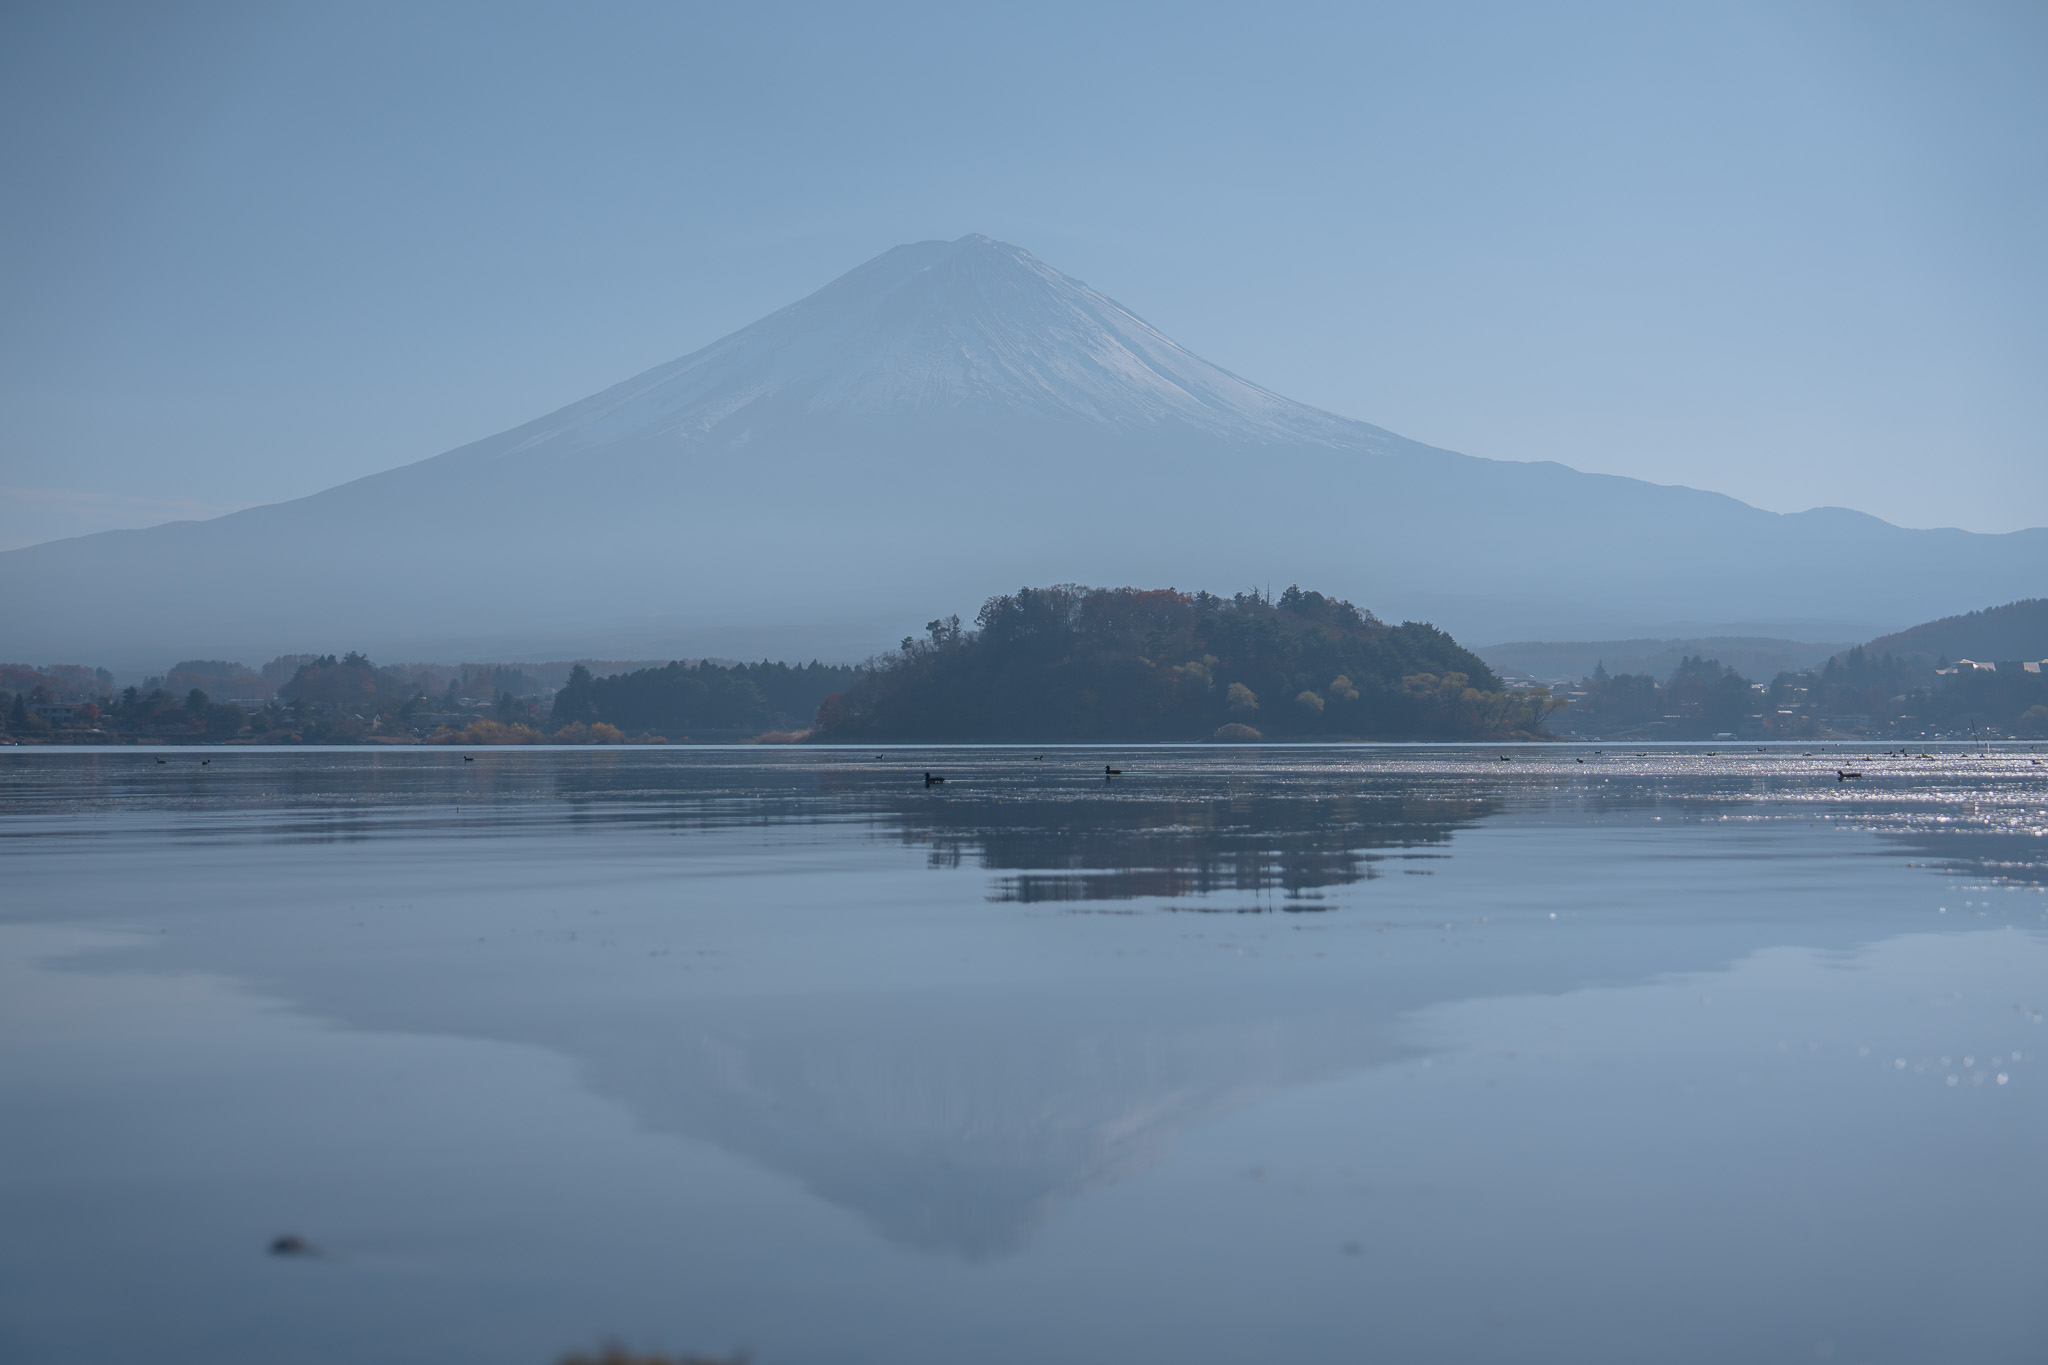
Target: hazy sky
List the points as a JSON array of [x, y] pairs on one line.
[[1792, 252]]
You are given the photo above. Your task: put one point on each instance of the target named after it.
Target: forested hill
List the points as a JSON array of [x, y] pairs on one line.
[[2017, 630], [1072, 663]]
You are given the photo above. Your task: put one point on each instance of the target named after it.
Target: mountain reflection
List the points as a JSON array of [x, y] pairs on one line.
[[742, 950], [955, 1122], [1295, 847]]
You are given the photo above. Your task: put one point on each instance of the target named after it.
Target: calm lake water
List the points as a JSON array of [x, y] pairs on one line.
[[1327, 1054]]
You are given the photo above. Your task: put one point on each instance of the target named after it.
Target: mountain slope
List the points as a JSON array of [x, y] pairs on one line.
[[2017, 630], [949, 421]]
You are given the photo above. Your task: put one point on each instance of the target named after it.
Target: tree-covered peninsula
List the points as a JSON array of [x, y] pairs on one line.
[[1073, 663]]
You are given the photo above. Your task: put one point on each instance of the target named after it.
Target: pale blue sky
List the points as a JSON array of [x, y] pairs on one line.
[[1791, 252]]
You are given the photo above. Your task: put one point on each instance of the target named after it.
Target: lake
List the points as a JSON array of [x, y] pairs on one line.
[[1560, 1053]]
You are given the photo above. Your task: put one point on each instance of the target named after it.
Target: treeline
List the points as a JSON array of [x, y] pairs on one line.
[[348, 699], [1077, 663], [325, 700], [1700, 699], [702, 698], [37, 716], [1858, 691], [2009, 700]]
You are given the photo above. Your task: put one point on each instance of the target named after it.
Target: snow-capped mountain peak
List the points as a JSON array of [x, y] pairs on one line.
[[943, 327]]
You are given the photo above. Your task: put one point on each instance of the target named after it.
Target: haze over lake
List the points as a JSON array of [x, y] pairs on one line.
[[1274, 1053]]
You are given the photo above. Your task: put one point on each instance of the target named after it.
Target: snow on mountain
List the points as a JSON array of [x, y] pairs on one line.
[[951, 420], [971, 326]]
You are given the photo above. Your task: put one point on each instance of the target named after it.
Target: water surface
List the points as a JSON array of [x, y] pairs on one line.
[[1314, 1054]]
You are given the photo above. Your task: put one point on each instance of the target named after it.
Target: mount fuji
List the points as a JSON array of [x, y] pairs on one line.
[[948, 421]]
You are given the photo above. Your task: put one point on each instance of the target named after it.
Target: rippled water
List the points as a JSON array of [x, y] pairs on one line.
[[1279, 1054]]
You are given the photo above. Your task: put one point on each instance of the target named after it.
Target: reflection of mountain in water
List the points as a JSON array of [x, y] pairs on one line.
[[951, 1112], [1081, 850], [950, 1109], [950, 1119], [954, 1122]]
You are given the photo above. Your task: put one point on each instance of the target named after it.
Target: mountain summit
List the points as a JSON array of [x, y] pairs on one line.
[[970, 327], [949, 421]]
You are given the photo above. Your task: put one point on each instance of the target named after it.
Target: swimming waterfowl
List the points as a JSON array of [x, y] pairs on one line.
[[931, 781], [1108, 771]]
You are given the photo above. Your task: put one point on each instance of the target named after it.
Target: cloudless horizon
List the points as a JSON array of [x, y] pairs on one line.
[[1789, 256]]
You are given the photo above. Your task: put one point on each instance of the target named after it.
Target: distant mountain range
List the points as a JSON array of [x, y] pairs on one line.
[[949, 421]]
